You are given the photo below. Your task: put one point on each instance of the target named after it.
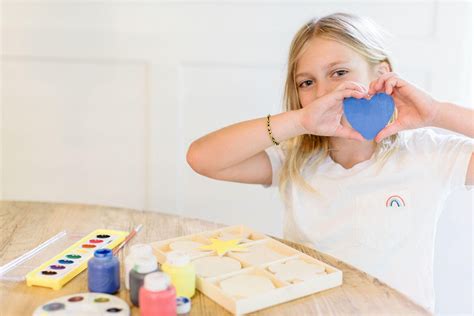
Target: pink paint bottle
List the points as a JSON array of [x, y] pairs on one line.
[[157, 297]]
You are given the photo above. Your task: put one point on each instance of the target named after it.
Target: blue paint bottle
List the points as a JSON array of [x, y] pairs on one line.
[[103, 272]]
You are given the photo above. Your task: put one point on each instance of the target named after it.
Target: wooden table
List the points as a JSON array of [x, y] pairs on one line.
[[24, 225]]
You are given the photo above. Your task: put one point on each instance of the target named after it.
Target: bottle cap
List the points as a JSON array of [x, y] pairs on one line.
[[103, 253], [141, 250], [145, 264], [157, 281], [177, 258], [183, 305]]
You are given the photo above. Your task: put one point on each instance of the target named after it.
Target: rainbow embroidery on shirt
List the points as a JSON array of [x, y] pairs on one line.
[[395, 201]]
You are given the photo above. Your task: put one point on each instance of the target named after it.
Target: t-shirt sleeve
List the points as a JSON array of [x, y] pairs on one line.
[[276, 156], [448, 154]]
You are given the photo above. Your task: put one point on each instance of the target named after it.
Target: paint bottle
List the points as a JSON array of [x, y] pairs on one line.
[[143, 266], [183, 306], [181, 271], [157, 296], [137, 250], [103, 272]]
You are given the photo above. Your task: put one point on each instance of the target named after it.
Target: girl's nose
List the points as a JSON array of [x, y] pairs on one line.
[[321, 90]]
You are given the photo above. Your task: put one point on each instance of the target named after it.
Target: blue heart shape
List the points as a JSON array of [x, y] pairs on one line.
[[369, 117]]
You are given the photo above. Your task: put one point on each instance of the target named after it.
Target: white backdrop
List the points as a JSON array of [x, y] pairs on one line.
[[101, 99]]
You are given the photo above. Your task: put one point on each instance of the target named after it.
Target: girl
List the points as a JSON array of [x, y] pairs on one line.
[[371, 203]]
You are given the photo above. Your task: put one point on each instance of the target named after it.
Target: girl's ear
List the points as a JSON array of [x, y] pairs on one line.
[[382, 68]]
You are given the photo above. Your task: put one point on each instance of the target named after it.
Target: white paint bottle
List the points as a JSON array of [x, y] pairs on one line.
[[136, 251]]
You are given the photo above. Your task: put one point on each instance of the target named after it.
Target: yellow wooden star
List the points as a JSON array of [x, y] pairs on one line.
[[223, 246]]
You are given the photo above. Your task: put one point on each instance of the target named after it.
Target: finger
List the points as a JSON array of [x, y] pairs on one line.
[[362, 88], [351, 85], [347, 132], [372, 87], [381, 80], [390, 84], [394, 82], [365, 90], [341, 95], [388, 131]]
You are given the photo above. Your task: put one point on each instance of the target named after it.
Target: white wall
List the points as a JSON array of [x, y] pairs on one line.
[[102, 98]]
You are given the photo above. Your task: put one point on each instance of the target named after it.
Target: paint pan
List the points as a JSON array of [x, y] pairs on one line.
[[90, 304], [17, 269], [66, 264]]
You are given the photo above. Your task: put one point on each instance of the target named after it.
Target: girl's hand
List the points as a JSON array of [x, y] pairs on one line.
[[415, 107], [323, 115]]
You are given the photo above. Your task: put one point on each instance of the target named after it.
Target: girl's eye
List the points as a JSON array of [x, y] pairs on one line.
[[308, 82], [340, 73]]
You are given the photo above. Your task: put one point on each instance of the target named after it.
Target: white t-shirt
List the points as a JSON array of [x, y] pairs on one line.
[[382, 223]]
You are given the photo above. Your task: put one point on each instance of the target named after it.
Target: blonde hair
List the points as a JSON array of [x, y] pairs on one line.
[[361, 35]]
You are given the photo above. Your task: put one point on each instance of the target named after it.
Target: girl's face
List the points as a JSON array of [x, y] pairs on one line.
[[326, 64]]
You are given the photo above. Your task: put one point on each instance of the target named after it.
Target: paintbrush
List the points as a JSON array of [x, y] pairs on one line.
[[127, 239]]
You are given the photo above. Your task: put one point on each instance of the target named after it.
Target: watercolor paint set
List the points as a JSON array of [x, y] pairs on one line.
[[62, 267], [244, 271]]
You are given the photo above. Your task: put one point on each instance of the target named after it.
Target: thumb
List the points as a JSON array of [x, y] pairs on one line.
[[388, 131]]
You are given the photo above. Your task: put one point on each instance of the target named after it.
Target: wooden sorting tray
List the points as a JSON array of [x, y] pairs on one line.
[[263, 253]]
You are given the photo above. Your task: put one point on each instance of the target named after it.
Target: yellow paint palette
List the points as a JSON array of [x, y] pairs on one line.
[[60, 269]]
